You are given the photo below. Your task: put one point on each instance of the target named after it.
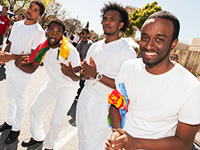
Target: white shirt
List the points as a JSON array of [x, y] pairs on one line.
[[158, 102], [108, 59], [23, 38], [53, 67]]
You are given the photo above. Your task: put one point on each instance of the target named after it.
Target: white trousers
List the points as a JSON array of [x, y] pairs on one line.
[[91, 120], [17, 93], [64, 98]]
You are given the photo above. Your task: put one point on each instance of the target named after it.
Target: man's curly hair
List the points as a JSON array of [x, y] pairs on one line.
[[124, 16]]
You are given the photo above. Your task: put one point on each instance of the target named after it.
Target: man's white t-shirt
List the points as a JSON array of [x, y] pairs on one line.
[[108, 59], [53, 67], [76, 38], [158, 102], [23, 38]]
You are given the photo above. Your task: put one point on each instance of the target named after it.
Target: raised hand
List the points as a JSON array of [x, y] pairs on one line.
[[67, 69], [22, 59], [5, 57], [89, 70]]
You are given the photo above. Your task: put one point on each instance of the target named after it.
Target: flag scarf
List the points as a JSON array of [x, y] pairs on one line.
[[38, 54], [120, 100]]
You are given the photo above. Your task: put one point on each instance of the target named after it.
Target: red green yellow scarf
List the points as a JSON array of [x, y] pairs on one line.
[[38, 54]]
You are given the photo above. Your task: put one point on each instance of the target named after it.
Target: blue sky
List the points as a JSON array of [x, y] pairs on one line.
[[187, 11]]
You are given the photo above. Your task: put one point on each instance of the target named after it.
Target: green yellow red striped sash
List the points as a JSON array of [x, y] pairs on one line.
[[38, 54]]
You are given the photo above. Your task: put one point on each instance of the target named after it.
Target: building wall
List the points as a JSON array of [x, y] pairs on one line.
[[182, 46], [195, 46], [189, 59], [189, 56]]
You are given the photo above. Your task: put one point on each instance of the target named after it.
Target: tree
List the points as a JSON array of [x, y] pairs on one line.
[[17, 5], [138, 17], [93, 34], [53, 10], [73, 25]]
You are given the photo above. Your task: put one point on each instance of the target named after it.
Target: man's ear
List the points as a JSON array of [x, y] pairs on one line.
[[174, 43], [121, 24]]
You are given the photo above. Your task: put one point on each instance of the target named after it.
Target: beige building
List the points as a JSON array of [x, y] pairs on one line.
[[181, 46], [130, 9], [195, 46]]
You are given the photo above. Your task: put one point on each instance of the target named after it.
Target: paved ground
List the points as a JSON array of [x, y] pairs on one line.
[[67, 140]]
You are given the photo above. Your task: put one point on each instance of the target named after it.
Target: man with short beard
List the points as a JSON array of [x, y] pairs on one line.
[[25, 36], [61, 61], [164, 97]]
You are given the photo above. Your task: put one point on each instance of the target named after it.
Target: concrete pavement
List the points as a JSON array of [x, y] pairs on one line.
[[67, 140]]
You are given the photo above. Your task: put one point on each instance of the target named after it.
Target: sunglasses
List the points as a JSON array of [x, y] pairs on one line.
[[173, 57], [82, 33], [52, 32]]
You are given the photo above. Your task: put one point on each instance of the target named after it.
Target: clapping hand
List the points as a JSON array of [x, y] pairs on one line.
[[117, 140], [22, 59], [67, 69], [89, 70]]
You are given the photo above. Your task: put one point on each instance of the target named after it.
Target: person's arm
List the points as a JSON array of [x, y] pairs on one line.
[[182, 140], [114, 117], [6, 56], [89, 70], [116, 125], [6, 32], [7, 49], [70, 72]]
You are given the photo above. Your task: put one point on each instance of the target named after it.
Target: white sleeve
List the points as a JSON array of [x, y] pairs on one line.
[[121, 75], [12, 33], [39, 38], [129, 54], [74, 56], [190, 109]]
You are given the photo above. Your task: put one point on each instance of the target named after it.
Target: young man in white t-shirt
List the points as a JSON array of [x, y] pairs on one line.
[[101, 66], [61, 61], [163, 113], [25, 36]]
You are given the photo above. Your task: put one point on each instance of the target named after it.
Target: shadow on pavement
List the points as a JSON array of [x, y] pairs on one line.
[[35, 147], [72, 113], [14, 145], [2, 73], [3, 146]]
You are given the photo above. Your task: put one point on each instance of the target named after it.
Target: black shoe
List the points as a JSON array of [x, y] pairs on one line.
[[4, 127], [48, 149], [12, 137], [30, 142]]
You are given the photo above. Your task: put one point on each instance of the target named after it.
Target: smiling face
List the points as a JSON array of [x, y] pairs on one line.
[[54, 33], [112, 23], [156, 41]]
